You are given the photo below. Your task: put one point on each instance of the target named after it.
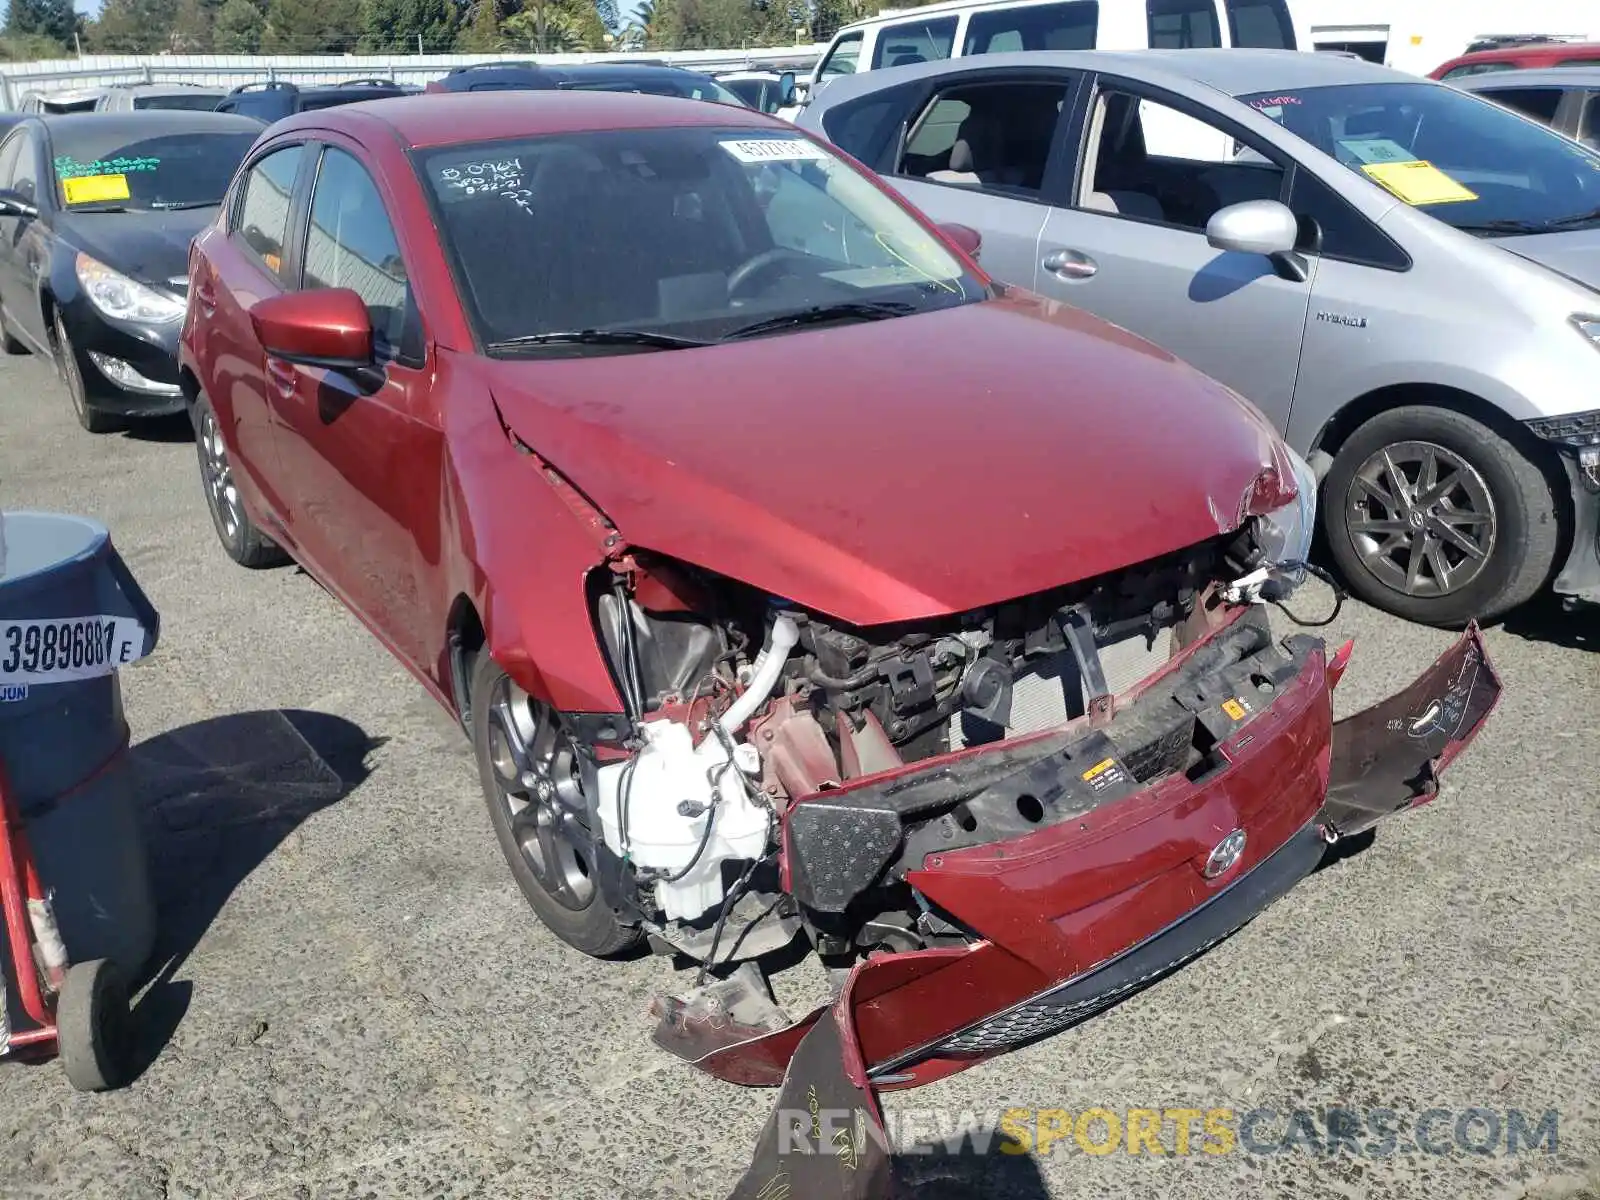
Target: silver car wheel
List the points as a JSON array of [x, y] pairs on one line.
[[221, 492], [536, 774], [1421, 518]]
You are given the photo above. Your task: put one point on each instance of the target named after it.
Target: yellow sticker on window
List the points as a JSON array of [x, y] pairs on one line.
[[1418, 182], [91, 189]]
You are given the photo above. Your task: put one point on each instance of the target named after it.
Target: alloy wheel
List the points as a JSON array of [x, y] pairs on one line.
[[1421, 518], [536, 773], [217, 475]]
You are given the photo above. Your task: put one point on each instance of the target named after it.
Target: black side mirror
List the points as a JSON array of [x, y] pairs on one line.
[[786, 89], [15, 204]]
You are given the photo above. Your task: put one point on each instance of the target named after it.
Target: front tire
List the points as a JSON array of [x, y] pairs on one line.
[[1435, 517], [533, 787], [92, 419], [239, 535]]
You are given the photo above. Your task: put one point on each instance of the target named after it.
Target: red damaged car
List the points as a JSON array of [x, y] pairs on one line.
[[791, 577]]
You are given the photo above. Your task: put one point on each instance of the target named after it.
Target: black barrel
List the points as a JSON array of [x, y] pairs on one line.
[[71, 615]]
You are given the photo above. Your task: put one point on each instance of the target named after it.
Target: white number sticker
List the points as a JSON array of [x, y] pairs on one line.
[[778, 149], [59, 651]]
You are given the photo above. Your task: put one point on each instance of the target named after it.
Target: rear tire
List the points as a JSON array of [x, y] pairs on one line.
[[1444, 554], [567, 899], [239, 535], [92, 419], [92, 1026]]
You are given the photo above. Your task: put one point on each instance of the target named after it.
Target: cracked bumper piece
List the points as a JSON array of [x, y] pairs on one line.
[[1070, 919]]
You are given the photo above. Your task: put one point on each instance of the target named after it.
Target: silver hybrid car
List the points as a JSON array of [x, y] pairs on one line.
[[1404, 277]]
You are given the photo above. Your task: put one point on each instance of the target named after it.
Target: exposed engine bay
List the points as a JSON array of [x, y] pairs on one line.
[[741, 703]]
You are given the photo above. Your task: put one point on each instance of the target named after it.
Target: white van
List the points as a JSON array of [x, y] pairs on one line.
[[959, 27]]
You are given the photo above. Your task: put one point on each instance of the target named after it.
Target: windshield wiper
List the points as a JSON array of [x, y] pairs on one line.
[[1576, 219], [101, 208], [875, 311], [181, 205], [1513, 226], [599, 337]]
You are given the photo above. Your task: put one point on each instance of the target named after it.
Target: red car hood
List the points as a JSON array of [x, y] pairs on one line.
[[893, 470]]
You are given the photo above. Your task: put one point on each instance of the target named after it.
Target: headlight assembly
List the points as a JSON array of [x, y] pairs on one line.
[[121, 298], [1283, 534]]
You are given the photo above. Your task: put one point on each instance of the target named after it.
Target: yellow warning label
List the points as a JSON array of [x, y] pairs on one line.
[[91, 189], [1418, 182], [1234, 709], [1100, 768]]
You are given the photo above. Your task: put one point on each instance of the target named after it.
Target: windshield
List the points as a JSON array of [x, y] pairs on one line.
[[688, 89], [694, 233], [95, 169], [1456, 157], [191, 101]]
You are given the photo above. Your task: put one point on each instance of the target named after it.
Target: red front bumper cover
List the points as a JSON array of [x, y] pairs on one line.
[[1119, 883]]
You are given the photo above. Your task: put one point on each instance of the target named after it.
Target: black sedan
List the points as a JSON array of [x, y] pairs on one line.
[[96, 214]]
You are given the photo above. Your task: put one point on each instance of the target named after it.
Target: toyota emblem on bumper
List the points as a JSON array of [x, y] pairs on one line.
[[1227, 852]]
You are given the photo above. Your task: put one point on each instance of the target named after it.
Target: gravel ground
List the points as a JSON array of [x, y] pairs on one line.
[[351, 999]]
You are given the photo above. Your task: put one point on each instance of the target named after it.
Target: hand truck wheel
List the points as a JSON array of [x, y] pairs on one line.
[[92, 1021]]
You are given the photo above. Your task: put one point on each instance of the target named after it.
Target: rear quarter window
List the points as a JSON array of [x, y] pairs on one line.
[[1071, 26], [1538, 103], [866, 128]]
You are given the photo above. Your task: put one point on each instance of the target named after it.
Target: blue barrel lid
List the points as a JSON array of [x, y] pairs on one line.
[[69, 607], [33, 542]]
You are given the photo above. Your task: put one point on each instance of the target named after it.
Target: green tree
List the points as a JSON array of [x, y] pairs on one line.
[[480, 33], [192, 27], [311, 26], [53, 19], [133, 27], [238, 29], [397, 24], [557, 27]]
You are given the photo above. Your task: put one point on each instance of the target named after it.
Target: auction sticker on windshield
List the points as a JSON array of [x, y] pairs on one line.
[[91, 189], [59, 651], [759, 150], [1418, 182]]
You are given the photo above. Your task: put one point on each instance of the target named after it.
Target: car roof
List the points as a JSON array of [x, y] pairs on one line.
[[1553, 51], [634, 70], [451, 118], [168, 89], [1233, 72], [152, 121], [1543, 77]]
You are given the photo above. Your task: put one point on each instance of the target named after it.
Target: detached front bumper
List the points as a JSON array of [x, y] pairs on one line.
[[1120, 880], [1082, 914]]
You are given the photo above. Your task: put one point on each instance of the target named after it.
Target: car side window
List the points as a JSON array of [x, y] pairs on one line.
[[1183, 24], [351, 244], [261, 220], [1071, 26], [1589, 122], [989, 136], [9, 150], [1261, 24], [24, 172], [927, 40], [866, 126], [1331, 227], [1540, 104], [1151, 161], [843, 59]]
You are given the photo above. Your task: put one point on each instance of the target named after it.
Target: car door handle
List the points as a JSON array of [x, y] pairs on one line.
[[283, 375], [1069, 264]]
